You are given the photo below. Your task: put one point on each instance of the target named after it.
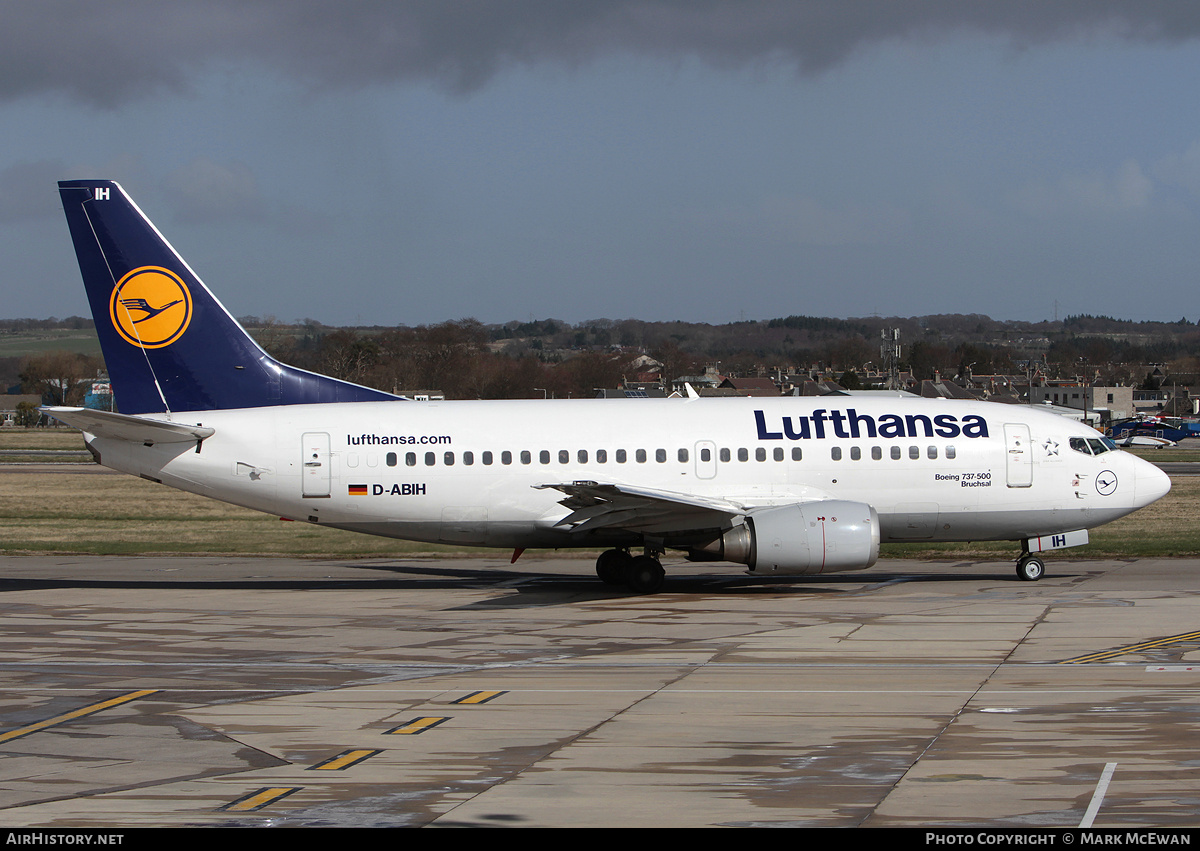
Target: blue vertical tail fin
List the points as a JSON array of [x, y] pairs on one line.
[[169, 345]]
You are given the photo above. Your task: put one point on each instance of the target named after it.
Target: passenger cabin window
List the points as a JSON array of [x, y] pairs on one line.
[[391, 459], [1084, 445]]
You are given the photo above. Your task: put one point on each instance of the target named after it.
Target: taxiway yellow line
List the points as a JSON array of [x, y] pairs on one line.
[[259, 799], [345, 760], [83, 711], [1132, 648], [418, 725], [478, 697]]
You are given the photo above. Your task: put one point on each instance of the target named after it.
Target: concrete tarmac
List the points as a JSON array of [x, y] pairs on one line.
[[208, 692]]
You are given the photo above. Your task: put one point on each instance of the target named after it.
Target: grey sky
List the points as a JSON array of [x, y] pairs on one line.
[[711, 161]]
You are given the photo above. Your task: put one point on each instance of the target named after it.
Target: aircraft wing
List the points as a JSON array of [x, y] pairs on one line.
[[598, 505], [126, 427]]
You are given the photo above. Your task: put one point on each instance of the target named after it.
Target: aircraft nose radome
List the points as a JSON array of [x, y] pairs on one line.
[[1152, 484]]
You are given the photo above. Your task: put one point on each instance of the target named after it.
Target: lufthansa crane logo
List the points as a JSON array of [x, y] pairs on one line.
[[150, 307]]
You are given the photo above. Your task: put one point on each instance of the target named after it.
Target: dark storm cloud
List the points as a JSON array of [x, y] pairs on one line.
[[108, 53], [204, 191], [23, 192]]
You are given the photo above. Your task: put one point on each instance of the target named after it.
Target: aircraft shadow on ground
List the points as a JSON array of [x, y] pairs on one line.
[[523, 587]]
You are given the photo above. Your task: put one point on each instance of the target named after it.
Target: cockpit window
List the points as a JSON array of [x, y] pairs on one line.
[[1092, 445]]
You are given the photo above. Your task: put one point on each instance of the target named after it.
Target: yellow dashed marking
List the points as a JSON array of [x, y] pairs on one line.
[[1132, 648], [479, 697], [418, 725], [90, 709], [259, 799], [344, 760]]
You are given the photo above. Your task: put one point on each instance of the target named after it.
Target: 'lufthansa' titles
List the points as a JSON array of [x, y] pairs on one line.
[[850, 424]]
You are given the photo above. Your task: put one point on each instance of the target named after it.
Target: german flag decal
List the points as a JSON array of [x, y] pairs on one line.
[[358, 490]]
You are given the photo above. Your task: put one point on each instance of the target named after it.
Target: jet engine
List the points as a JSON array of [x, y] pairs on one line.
[[825, 536]]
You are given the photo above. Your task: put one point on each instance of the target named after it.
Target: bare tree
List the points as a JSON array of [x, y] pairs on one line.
[[59, 377]]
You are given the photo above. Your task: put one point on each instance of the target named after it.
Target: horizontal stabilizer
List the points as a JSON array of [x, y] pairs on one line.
[[126, 427]]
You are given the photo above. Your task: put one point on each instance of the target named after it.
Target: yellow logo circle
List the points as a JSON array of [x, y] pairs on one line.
[[150, 307]]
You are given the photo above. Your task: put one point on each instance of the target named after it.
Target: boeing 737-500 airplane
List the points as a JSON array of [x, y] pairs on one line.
[[788, 485]]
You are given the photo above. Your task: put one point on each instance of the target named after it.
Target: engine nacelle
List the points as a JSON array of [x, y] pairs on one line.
[[807, 537]]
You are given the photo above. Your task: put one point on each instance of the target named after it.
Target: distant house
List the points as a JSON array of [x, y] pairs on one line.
[[1114, 403], [808, 387], [987, 386], [711, 378], [750, 386], [940, 389], [9, 403]]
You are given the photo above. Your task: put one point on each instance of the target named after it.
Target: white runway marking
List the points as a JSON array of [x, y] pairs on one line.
[[1098, 795]]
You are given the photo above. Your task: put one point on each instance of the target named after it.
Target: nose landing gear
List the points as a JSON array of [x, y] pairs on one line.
[[1030, 568]]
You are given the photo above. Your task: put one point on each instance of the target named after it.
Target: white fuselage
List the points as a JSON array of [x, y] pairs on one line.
[[466, 472]]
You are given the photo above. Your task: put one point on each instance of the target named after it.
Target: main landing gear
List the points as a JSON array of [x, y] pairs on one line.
[[1030, 568], [642, 574]]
